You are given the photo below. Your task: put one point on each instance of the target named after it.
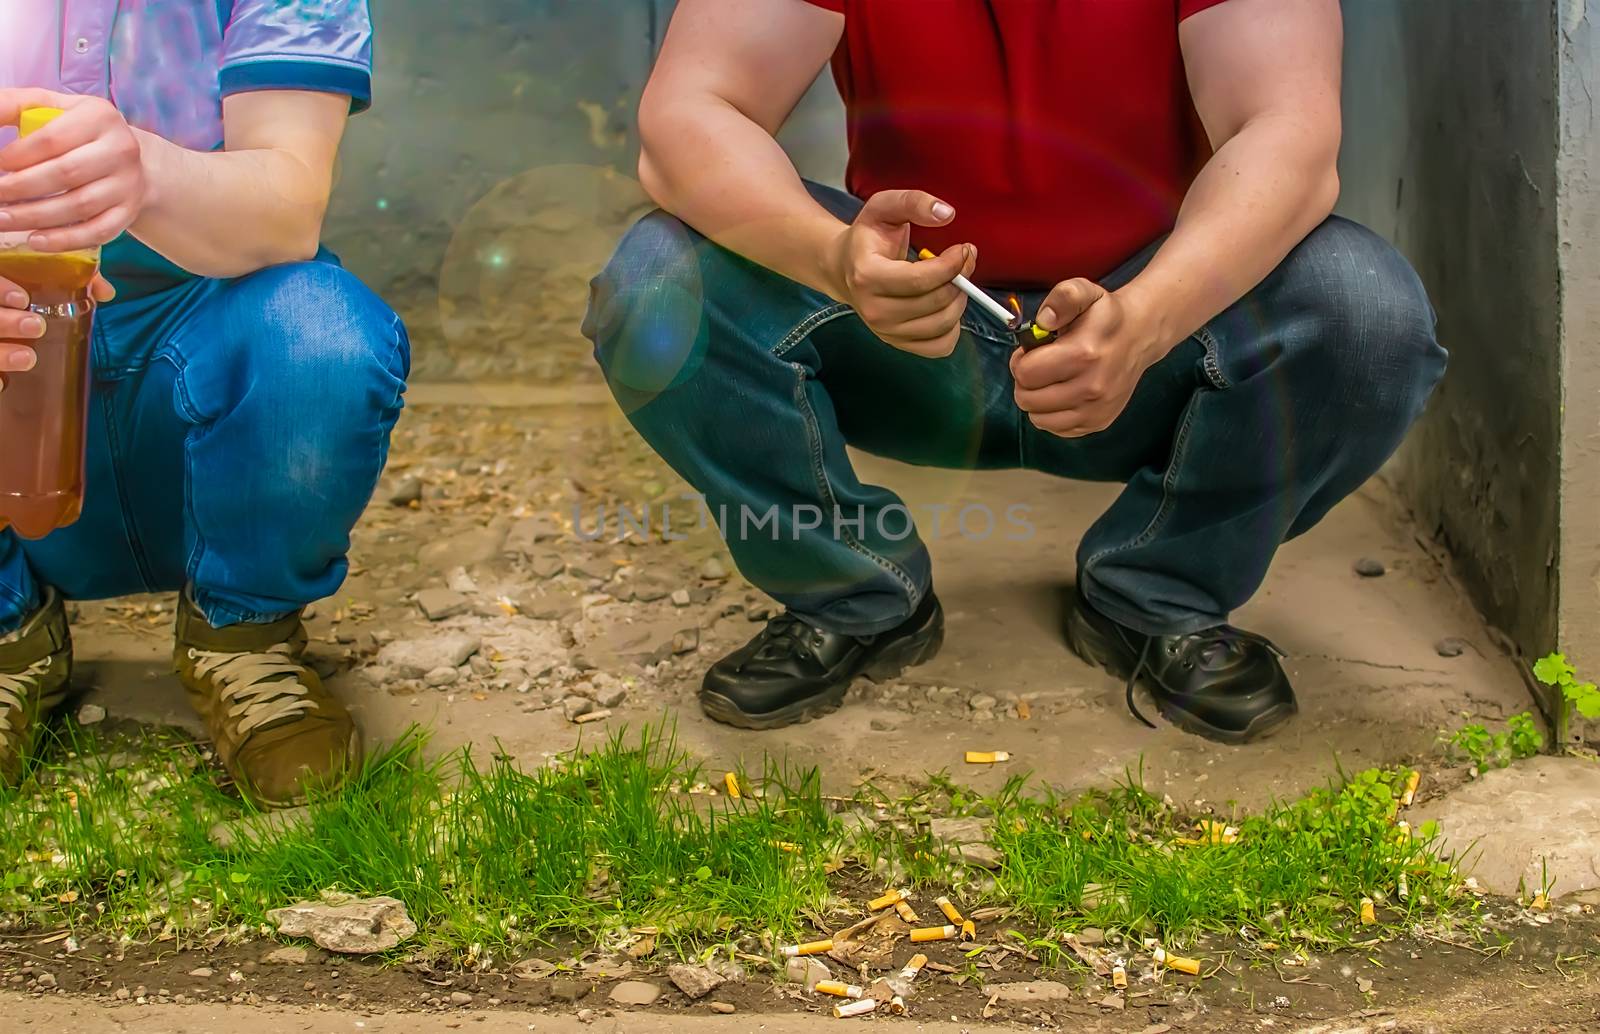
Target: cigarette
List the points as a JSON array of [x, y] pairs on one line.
[[914, 967], [1413, 781], [1540, 903], [1119, 976], [990, 757], [1403, 887], [969, 930], [897, 1006], [1177, 962], [731, 781], [1368, 916], [593, 716], [861, 1007], [786, 846], [810, 948], [949, 910], [889, 900], [933, 933], [838, 988], [971, 290], [905, 911]]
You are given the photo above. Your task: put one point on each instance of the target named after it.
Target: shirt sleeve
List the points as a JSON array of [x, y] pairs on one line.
[[321, 45], [1187, 8]]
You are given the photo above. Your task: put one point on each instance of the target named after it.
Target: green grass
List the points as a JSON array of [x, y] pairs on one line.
[[494, 861]]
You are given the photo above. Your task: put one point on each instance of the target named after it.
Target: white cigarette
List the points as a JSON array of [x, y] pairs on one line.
[[1007, 318]]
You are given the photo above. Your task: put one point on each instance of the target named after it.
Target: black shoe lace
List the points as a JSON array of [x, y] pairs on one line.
[[1207, 646], [785, 636]]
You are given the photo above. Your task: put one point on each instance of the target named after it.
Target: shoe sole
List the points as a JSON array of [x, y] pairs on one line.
[[1091, 646], [916, 649]]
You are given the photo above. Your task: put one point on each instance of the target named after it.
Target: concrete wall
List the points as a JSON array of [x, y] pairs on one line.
[[1451, 123]]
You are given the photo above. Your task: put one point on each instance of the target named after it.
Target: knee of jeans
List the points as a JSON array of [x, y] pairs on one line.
[[1370, 317], [314, 333], [647, 307]]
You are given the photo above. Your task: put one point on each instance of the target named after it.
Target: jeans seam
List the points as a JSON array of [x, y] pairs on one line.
[[1169, 483], [129, 531], [825, 489], [806, 327]]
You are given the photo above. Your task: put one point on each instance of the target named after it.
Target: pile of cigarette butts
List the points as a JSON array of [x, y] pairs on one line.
[[889, 995]]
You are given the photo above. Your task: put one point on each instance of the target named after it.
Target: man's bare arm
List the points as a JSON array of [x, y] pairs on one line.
[[1265, 75]]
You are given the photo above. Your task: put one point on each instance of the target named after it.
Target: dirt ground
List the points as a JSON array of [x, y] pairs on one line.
[[555, 624]]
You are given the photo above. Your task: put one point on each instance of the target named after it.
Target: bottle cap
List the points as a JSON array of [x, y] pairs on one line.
[[34, 119]]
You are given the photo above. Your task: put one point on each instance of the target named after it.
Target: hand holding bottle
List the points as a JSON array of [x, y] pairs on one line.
[[18, 326]]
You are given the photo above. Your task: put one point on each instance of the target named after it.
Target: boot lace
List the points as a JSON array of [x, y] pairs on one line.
[[1207, 649], [15, 688], [260, 688]]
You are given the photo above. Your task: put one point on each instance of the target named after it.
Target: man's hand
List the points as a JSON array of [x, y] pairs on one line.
[[19, 326], [910, 305], [1081, 382], [77, 182]]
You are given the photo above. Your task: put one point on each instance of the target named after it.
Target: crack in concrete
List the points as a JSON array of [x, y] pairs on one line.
[[1375, 664]]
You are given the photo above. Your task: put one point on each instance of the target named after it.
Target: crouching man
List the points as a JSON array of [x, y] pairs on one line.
[[245, 385], [1154, 179]]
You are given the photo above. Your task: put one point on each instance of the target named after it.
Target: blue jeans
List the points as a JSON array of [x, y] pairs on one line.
[[237, 429], [751, 386]]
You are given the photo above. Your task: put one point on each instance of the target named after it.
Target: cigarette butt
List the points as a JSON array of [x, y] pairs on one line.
[[1024, 710], [1540, 903], [1368, 916], [1119, 976], [969, 930], [1403, 828], [1413, 781], [784, 845], [990, 757], [593, 716], [949, 910], [1403, 888], [810, 948], [1183, 965], [914, 967], [731, 781], [838, 989], [897, 1006], [889, 900], [933, 933], [906, 912], [860, 1007]]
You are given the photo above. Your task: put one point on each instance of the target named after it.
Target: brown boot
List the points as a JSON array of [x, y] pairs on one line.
[[277, 730], [35, 666]]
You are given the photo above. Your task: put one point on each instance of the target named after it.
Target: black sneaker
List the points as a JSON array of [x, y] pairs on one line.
[[1220, 683], [793, 672]]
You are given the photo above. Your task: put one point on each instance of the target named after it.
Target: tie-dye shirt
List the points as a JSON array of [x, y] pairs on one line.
[[167, 64]]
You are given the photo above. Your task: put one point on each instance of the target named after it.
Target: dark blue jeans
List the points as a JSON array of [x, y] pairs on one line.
[[751, 386], [236, 432]]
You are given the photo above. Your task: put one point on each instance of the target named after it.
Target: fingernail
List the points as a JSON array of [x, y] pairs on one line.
[[21, 361], [942, 211], [17, 299], [33, 326], [5, 217], [38, 242], [1046, 318]]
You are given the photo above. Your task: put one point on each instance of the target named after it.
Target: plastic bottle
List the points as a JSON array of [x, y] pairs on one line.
[[44, 412]]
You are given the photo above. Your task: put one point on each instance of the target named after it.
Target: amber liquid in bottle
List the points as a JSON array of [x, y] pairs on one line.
[[44, 412]]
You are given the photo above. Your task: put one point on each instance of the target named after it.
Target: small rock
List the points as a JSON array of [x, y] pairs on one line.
[[408, 491], [806, 971], [355, 927], [983, 702], [1090, 936], [686, 641], [439, 678], [879, 725], [414, 658], [45, 981], [680, 598], [568, 990], [954, 832], [714, 570], [611, 696], [122, 994], [1367, 567], [695, 981], [91, 714], [546, 565], [468, 549], [524, 534], [585, 1015], [981, 855], [437, 604], [291, 955], [575, 707], [635, 992], [203, 973], [1450, 646], [648, 590], [591, 569], [723, 1007], [458, 580], [460, 998], [1030, 992]]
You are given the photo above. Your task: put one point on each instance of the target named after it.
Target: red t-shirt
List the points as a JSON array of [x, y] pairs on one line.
[[1061, 130]]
